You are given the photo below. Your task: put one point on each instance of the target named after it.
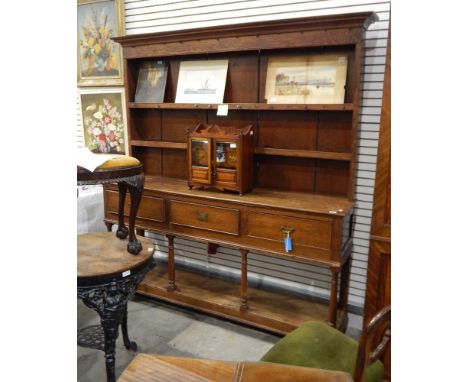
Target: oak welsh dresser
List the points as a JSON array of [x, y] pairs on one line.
[[304, 165]]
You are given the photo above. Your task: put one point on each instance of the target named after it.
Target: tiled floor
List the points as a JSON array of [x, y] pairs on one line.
[[159, 328]]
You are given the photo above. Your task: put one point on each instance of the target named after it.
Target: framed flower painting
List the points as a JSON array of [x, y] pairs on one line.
[[99, 57], [103, 120]]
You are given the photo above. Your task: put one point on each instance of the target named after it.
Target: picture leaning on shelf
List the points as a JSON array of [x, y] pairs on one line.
[[152, 77], [202, 81], [313, 79]]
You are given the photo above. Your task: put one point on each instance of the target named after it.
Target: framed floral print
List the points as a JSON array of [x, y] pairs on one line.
[[99, 57], [103, 120]]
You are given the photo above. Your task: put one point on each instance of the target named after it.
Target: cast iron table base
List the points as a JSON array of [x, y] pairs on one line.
[[107, 279]]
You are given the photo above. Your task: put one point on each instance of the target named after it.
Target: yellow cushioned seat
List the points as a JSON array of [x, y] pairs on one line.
[[123, 161]]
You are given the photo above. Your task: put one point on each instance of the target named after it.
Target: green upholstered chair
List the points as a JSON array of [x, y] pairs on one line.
[[318, 345]]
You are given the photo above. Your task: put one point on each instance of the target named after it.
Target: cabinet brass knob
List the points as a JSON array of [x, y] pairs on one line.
[[202, 216], [286, 230]]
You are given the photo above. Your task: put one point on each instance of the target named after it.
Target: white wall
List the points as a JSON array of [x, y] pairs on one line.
[[144, 16]]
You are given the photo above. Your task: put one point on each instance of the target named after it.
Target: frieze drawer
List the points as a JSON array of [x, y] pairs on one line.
[[193, 215], [310, 236], [151, 208]]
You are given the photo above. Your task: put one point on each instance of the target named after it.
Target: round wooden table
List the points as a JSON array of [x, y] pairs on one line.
[[108, 276]]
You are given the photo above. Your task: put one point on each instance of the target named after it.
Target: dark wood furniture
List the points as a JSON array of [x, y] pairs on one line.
[[129, 178], [374, 342], [221, 156], [107, 278], [155, 368], [304, 166], [379, 262]]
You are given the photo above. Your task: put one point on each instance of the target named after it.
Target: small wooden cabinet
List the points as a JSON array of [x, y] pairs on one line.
[[295, 166], [221, 156]]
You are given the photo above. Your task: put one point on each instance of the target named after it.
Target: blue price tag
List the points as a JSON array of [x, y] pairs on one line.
[[287, 244]]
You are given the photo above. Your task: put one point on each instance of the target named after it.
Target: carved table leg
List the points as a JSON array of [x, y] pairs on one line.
[[135, 186], [109, 226], [110, 320], [122, 230], [136, 191], [332, 308], [171, 264], [129, 345], [244, 283]]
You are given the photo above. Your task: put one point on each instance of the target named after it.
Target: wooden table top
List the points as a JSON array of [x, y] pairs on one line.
[[102, 253], [155, 368]]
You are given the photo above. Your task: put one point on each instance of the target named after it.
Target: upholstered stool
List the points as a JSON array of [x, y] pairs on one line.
[[127, 172]]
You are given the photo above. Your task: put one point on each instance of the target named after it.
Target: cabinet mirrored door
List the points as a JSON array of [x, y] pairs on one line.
[[201, 160]]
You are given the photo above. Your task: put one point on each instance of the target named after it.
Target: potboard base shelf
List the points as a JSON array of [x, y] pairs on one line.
[[272, 311]]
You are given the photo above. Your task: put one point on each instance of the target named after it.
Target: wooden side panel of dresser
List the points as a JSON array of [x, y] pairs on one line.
[[379, 263]]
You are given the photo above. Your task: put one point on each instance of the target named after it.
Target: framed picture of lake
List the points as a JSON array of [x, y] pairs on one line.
[[317, 79], [201, 81], [103, 120], [152, 77], [99, 57]]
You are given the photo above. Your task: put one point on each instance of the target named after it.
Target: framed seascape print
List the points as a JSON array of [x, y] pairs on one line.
[[152, 77], [103, 120], [201, 81], [99, 58], [318, 79]]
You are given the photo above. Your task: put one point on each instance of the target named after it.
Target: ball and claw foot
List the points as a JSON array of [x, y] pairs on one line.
[[134, 247], [122, 232], [131, 346]]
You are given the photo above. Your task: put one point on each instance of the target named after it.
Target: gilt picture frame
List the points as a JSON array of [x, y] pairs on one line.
[[100, 60], [202, 81], [103, 120], [314, 79]]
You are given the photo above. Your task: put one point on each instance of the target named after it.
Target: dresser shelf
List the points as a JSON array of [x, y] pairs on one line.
[[304, 153], [244, 106], [158, 144]]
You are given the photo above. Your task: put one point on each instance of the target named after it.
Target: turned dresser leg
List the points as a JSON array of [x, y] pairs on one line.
[[244, 284], [171, 264], [344, 284], [332, 308]]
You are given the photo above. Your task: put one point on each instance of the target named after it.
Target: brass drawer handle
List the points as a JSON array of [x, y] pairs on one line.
[[286, 230], [202, 216]]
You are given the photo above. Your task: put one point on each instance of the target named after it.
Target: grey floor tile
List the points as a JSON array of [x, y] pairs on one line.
[[160, 328]]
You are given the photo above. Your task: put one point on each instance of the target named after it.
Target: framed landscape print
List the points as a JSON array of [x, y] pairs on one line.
[[99, 58], [152, 77], [318, 79], [103, 120], [201, 81]]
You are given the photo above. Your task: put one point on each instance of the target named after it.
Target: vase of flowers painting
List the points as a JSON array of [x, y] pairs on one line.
[[103, 123], [99, 60]]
